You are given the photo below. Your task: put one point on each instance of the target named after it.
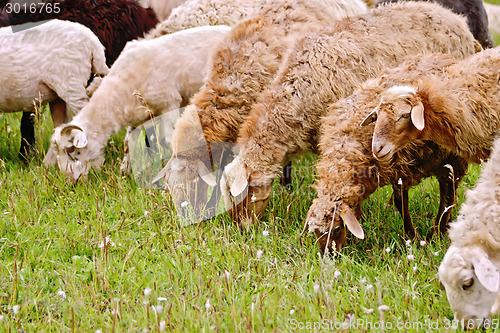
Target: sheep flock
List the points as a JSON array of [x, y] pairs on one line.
[[382, 92]]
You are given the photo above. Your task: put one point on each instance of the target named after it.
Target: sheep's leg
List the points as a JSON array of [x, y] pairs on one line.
[[286, 179], [58, 111], [401, 202], [449, 176], [27, 135]]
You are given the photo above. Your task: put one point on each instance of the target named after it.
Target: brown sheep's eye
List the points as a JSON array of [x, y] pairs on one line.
[[70, 150], [467, 284]]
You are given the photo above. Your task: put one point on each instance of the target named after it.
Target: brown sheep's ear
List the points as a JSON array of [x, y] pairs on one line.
[[351, 221], [205, 174], [417, 116], [487, 273], [372, 117], [239, 183]]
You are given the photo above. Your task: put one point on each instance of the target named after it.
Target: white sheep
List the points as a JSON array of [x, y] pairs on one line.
[[162, 8], [195, 13], [149, 78], [321, 69], [48, 63], [470, 268], [457, 108]]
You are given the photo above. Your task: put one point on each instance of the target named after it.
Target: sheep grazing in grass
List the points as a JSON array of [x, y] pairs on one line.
[[49, 63], [321, 69], [242, 68], [470, 268], [149, 78], [457, 108], [473, 10], [162, 8], [195, 13], [114, 22], [348, 173]]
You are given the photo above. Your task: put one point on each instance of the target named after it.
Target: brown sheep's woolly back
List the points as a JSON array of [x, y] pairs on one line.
[[327, 66], [348, 173]]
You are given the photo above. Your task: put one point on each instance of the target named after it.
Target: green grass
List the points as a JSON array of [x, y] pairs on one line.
[[53, 241]]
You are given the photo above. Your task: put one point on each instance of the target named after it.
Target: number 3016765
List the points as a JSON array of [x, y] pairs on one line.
[[16, 8]]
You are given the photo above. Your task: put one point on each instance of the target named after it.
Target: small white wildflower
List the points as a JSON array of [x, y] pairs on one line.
[[107, 242], [207, 304], [400, 181], [292, 311], [383, 308], [162, 299], [367, 311], [62, 294], [147, 291], [259, 254], [184, 204], [336, 274], [1, 317], [146, 302], [415, 268], [410, 257], [253, 198], [316, 288], [369, 287], [98, 331], [436, 253], [408, 242], [363, 280], [265, 233], [163, 325], [159, 309], [350, 317], [388, 250], [146, 213], [15, 309], [423, 243]]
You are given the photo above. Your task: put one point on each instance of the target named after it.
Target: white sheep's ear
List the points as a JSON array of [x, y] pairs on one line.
[[80, 140], [351, 221], [487, 273], [205, 174], [417, 116], [240, 182], [372, 117]]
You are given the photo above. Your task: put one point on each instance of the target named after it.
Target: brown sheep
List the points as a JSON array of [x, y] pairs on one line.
[[458, 108], [348, 173], [321, 69]]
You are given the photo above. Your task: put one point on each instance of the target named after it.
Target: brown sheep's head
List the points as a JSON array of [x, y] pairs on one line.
[[245, 194], [330, 222], [399, 120]]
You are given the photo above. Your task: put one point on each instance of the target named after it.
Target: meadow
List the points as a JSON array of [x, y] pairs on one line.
[[107, 255]]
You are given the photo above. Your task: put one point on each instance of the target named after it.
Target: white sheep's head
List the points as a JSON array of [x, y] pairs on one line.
[[330, 221], [75, 155], [399, 120], [471, 281], [245, 194]]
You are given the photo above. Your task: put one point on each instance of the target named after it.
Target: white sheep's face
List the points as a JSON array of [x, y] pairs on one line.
[[74, 154], [399, 119], [471, 282]]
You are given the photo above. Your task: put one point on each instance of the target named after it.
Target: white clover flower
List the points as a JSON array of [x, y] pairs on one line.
[[292, 311], [259, 254], [410, 257], [265, 233], [62, 294], [388, 250], [383, 308], [15, 309], [207, 304], [147, 292], [336, 274], [423, 243], [316, 288], [369, 287], [163, 325], [184, 204]]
